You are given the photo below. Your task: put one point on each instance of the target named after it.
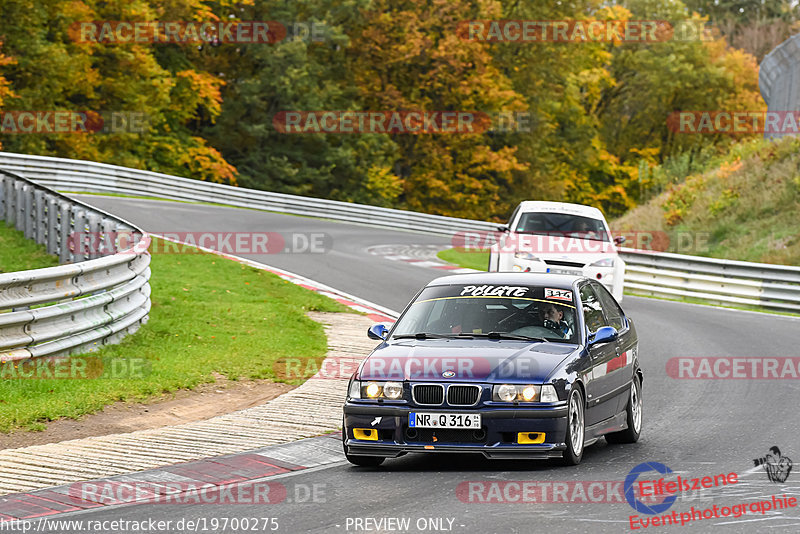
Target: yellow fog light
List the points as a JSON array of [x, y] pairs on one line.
[[529, 393], [373, 390], [368, 434], [530, 438]]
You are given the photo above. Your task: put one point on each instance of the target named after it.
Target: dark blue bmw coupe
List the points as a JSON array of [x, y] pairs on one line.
[[511, 365]]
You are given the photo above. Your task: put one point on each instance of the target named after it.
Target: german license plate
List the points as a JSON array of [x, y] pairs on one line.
[[565, 271], [444, 420]]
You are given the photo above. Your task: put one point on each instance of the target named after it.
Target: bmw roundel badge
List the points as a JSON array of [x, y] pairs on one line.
[[448, 374]]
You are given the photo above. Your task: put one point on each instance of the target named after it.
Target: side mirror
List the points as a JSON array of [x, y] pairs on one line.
[[604, 335], [377, 331], [620, 239], [502, 228]]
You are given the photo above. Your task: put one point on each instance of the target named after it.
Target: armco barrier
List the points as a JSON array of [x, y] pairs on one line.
[[74, 175], [94, 299], [728, 282], [661, 274]]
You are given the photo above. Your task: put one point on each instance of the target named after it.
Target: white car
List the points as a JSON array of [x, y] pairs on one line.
[[560, 238]]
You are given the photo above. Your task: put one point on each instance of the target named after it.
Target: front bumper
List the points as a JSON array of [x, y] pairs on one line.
[[497, 437]]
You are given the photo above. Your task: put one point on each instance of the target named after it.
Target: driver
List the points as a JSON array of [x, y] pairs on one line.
[[553, 318], [584, 230]]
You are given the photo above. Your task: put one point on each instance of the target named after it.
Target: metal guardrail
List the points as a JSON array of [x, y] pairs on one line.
[[91, 177], [98, 297], [660, 274]]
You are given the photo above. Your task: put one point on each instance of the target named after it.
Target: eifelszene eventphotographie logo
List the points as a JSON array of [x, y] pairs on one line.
[[775, 464]]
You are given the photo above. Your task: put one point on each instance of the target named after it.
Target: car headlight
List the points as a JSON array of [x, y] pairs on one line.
[[376, 390], [605, 262], [393, 390], [528, 393], [505, 393], [548, 394], [373, 390], [509, 393], [525, 256]]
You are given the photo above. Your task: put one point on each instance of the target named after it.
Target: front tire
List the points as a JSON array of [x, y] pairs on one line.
[[576, 428], [363, 461], [634, 416]]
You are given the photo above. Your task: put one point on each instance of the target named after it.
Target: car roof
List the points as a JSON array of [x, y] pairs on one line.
[[557, 281], [560, 207]]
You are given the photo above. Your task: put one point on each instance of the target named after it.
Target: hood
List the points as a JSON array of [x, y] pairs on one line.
[[465, 360]]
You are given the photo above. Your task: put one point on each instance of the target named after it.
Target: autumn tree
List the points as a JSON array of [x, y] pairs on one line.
[[303, 71], [53, 71], [409, 55]]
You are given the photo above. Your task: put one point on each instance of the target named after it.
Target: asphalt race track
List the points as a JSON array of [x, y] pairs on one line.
[[695, 427], [347, 267]]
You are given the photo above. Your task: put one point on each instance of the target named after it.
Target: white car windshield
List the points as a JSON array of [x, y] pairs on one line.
[[491, 310], [561, 225]]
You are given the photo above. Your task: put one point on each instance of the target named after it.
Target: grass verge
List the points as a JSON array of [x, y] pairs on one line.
[[20, 254], [470, 259], [744, 209], [209, 315]]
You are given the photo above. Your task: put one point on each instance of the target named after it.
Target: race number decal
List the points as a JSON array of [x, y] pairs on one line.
[[558, 294]]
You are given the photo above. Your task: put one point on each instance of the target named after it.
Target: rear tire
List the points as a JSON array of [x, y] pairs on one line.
[[576, 428], [634, 419]]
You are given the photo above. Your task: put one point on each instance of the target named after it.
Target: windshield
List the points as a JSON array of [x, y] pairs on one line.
[[478, 310], [561, 225]]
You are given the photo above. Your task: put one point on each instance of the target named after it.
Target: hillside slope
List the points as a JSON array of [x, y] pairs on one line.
[[747, 208]]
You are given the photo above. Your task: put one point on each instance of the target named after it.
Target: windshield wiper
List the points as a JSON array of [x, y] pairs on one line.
[[506, 335], [423, 335], [490, 335]]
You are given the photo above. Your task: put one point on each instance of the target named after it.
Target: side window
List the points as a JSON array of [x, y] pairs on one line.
[[613, 311], [592, 309], [511, 219]]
